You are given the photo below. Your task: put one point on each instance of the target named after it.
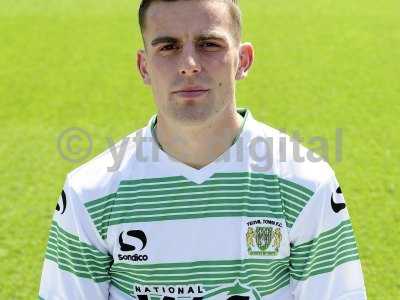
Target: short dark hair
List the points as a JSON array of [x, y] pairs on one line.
[[233, 9]]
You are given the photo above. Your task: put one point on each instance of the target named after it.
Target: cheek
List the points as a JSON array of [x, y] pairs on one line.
[[162, 75], [161, 67], [221, 67], [160, 72], [215, 61]]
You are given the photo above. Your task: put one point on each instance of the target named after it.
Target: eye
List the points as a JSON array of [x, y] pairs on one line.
[[168, 47], [210, 46]]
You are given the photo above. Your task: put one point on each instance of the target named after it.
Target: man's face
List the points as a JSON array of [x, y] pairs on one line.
[[191, 59]]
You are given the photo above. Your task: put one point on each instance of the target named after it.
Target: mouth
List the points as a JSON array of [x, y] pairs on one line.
[[194, 92]]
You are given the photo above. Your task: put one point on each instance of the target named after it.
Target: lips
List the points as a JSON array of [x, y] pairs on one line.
[[191, 92]]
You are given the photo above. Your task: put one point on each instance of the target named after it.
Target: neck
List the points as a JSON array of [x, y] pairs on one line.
[[199, 145]]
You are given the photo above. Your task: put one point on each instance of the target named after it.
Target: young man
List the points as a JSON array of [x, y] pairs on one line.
[[193, 210]]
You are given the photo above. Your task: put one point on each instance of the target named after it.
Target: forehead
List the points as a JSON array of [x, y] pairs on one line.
[[185, 19]]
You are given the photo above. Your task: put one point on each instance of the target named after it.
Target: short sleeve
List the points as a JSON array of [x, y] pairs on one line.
[[324, 260], [76, 263]]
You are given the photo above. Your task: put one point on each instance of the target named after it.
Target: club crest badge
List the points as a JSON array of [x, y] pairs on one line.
[[263, 237]]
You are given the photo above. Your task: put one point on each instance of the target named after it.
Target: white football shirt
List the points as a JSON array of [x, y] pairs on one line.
[[259, 222]]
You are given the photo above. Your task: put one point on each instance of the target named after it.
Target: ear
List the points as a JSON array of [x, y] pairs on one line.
[[142, 66], [246, 58]]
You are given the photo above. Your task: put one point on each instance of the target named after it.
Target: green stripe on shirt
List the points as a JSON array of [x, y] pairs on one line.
[[322, 254], [234, 194], [76, 257]]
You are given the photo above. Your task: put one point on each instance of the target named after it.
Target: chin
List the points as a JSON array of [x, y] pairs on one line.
[[192, 114]]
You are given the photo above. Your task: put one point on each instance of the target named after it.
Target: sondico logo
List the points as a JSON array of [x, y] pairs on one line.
[[62, 203], [125, 247], [338, 206]]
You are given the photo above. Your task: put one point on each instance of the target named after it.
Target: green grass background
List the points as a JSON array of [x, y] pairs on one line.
[[320, 65]]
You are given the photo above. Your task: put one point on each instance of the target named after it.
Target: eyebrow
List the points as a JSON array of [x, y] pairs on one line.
[[163, 40], [211, 36], [199, 38]]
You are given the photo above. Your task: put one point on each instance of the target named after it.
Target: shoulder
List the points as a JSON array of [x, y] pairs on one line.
[[101, 176], [301, 174], [291, 161]]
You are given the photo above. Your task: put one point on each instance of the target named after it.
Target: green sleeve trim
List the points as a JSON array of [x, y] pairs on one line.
[[74, 256], [324, 253]]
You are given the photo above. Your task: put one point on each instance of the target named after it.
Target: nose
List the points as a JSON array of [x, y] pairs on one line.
[[189, 64]]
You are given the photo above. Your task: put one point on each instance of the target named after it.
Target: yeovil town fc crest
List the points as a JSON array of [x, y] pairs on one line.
[[263, 237]]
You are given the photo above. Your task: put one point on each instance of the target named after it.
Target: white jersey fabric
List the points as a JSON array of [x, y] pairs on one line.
[[260, 222]]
